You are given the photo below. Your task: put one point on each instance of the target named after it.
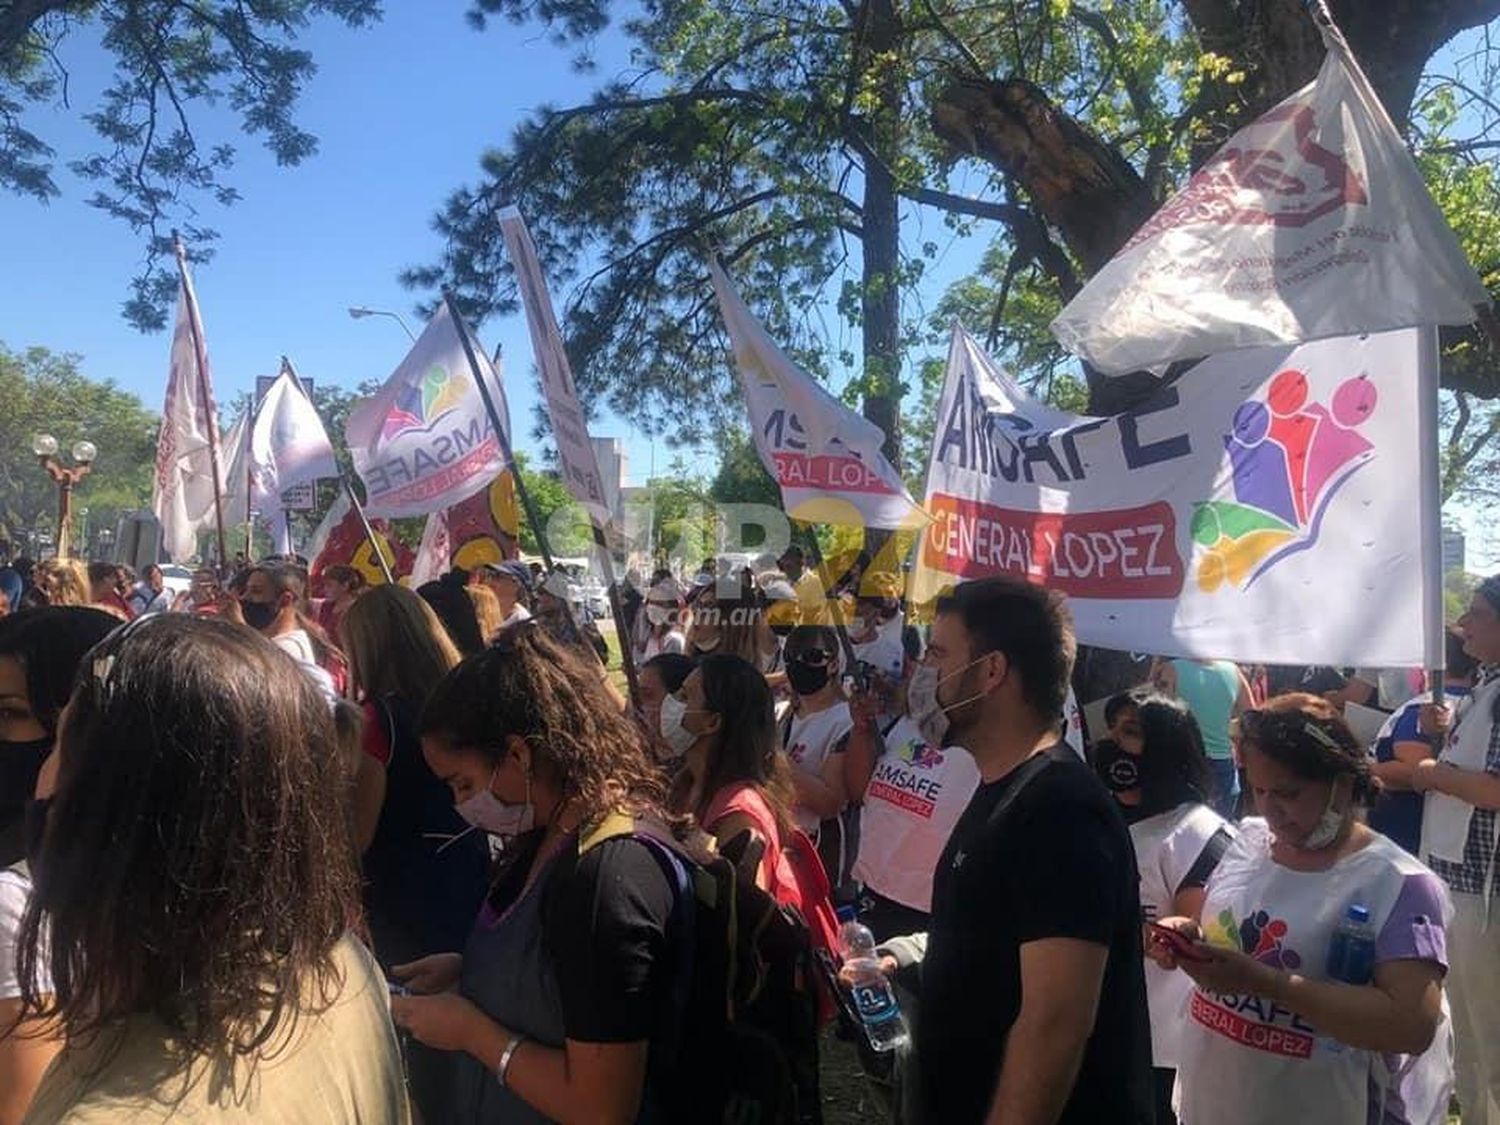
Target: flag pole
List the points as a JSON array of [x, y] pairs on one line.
[[627, 657], [208, 412], [359, 510], [1431, 509], [836, 608], [500, 433]]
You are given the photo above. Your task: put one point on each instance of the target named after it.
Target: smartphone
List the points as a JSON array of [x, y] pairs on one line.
[[1181, 946]]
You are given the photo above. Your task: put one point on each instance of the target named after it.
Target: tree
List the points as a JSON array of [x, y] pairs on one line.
[[813, 143], [170, 56], [48, 393]]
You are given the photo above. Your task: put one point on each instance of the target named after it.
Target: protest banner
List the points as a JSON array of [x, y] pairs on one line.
[[1311, 222], [424, 441], [1266, 507], [826, 458]]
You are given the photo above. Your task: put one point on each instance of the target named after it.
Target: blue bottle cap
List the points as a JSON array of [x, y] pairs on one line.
[[1358, 913], [846, 913]]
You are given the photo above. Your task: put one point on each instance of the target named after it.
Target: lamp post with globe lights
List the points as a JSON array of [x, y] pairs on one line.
[[84, 452]]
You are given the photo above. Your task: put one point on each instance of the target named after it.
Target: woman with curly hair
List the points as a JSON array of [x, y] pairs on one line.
[[1289, 1020], [560, 1006], [194, 892]]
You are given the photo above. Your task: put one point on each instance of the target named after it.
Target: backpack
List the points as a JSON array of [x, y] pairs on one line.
[[746, 1051]]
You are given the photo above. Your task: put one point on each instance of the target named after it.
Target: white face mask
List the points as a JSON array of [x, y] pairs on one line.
[[922, 703], [1329, 825], [677, 736], [658, 614], [857, 626], [489, 813]]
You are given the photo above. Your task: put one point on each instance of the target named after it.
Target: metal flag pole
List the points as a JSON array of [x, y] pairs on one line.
[[208, 410], [1431, 508], [627, 657]]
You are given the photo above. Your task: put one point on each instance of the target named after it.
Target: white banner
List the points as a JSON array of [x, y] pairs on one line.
[[424, 440], [1311, 222], [1264, 508], [434, 553], [826, 458], [570, 430], [182, 493]]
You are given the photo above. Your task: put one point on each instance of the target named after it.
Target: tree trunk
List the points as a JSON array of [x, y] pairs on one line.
[[1086, 189], [881, 243]]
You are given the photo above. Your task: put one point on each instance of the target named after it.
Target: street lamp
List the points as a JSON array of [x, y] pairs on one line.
[[84, 452], [359, 312]]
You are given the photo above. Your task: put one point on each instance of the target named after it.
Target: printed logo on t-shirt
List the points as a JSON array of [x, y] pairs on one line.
[[1254, 1021], [899, 780]]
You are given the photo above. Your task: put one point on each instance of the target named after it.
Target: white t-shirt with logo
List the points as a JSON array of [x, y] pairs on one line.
[[1167, 847], [810, 740], [1245, 1060], [915, 797], [884, 654], [15, 891]]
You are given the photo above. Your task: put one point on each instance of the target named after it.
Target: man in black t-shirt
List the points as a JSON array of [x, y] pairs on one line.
[[1033, 989]]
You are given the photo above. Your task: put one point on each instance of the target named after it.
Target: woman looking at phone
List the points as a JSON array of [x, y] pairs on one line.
[[1319, 951]]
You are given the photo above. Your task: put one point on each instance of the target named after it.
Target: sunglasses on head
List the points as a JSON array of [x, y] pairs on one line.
[[1284, 726]]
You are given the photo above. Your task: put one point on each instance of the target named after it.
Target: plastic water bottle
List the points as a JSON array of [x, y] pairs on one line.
[[874, 998], [1351, 953]]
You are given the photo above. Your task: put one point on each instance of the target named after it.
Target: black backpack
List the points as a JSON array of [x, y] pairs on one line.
[[746, 1052]]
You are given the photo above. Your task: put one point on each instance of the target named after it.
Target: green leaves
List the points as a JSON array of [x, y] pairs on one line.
[[154, 165]]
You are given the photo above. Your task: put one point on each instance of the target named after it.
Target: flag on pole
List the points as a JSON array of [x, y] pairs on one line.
[[183, 489], [424, 441], [288, 446], [1311, 222], [1208, 522], [570, 431], [340, 540], [826, 458]]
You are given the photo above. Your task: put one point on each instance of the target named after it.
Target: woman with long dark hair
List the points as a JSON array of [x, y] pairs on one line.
[[1157, 770], [39, 654], [195, 887], [561, 1005], [722, 723]]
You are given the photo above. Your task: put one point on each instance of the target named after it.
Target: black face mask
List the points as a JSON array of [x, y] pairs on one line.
[[259, 615], [20, 762], [806, 679], [1119, 770]]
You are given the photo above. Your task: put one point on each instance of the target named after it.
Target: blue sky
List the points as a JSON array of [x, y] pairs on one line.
[[403, 111]]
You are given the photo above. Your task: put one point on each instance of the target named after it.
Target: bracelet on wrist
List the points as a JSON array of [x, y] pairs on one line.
[[507, 1056]]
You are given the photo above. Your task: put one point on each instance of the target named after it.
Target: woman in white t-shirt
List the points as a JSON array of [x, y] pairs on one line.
[[660, 628], [1286, 1023], [814, 739], [1155, 766], [39, 655]]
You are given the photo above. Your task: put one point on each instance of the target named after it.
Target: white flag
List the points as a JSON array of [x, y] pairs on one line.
[[575, 450], [1311, 222], [424, 441], [288, 446], [187, 450], [826, 458], [434, 553], [1262, 508], [234, 449]]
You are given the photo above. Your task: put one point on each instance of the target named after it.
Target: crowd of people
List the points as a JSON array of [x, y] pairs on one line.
[[392, 855]]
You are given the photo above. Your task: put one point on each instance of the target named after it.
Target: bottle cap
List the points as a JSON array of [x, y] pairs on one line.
[[1358, 913], [846, 913]]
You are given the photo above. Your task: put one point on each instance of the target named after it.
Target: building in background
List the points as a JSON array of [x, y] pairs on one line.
[[1454, 557]]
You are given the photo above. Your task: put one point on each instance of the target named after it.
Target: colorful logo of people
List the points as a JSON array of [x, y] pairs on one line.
[[1259, 935], [1288, 457], [422, 403]]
